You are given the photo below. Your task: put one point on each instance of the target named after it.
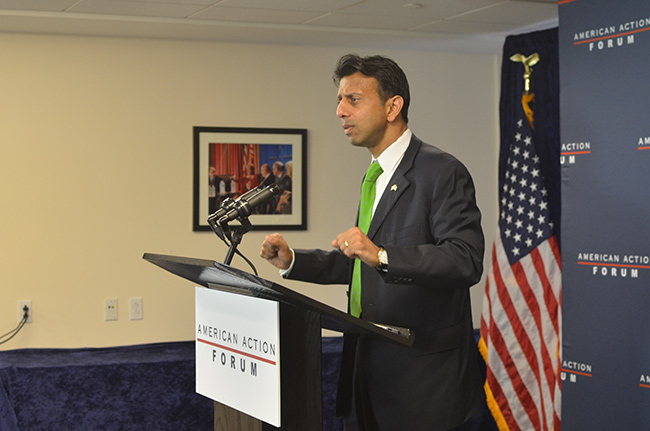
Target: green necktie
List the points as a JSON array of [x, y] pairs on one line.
[[365, 215]]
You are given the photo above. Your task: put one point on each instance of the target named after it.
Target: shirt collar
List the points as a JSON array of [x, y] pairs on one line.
[[392, 155]]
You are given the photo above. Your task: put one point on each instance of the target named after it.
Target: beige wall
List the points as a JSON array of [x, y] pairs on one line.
[[96, 167]]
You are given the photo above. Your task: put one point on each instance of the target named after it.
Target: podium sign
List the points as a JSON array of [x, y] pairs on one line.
[[238, 361], [238, 352]]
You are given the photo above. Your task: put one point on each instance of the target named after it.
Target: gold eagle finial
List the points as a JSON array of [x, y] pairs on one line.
[[528, 62]]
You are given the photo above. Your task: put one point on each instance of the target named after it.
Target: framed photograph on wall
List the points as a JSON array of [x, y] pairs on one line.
[[229, 161]]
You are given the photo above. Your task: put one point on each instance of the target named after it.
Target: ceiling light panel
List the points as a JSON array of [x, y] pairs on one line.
[[512, 13], [303, 5], [365, 21], [431, 9], [136, 8], [235, 14], [37, 5]]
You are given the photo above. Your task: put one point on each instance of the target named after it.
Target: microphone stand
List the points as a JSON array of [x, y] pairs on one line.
[[241, 209], [235, 237]]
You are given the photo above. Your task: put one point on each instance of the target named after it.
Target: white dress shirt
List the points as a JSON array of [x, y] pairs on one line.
[[389, 161]]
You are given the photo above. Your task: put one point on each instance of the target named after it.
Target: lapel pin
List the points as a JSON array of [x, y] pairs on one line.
[[393, 188]]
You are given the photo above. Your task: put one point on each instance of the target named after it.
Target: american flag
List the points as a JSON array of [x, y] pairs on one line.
[[248, 156], [521, 322]]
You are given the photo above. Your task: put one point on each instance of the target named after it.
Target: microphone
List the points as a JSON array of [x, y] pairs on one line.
[[242, 208], [228, 203]]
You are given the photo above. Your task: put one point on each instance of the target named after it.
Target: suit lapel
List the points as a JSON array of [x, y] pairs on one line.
[[395, 187]]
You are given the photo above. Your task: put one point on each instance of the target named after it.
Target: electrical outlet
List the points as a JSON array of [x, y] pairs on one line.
[[135, 308], [21, 311], [110, 309]]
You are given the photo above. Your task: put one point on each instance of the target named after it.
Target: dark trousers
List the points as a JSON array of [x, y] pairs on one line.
[[361, 417]]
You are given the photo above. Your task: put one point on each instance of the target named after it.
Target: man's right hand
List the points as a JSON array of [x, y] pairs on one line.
[[276, 250]]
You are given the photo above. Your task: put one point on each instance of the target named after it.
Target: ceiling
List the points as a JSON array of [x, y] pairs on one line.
[[473, 26]]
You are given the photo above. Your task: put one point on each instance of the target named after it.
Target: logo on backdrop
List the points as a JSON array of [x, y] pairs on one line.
[[612, 36], [643, 143], [572, 370], [571, 150], [614, 265], [644, 381]]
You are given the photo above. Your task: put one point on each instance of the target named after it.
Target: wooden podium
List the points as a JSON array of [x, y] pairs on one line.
[[301, 320]]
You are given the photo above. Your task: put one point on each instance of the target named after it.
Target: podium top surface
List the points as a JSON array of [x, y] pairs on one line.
[[215, 275]]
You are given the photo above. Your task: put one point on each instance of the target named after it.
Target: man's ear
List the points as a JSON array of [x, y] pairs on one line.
[[394, 107]]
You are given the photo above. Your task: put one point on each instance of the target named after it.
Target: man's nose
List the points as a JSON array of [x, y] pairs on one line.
[[341, 111]]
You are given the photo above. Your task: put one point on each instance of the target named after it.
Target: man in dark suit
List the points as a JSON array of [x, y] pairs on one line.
[[266, 175], [281, 204], [266, 179], [422, 252]]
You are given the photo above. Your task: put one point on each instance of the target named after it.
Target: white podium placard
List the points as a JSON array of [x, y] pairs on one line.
[[238, 352]]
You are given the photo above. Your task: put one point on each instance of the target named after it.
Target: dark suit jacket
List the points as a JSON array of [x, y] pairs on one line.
[[428, 222]]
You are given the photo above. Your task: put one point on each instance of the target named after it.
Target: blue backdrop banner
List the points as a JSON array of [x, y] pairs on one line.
[[605, 166]]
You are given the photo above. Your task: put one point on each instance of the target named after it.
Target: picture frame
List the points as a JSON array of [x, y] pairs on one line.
[[228, 161]]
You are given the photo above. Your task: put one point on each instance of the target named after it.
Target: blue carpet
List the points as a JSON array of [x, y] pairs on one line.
[[147, 387]]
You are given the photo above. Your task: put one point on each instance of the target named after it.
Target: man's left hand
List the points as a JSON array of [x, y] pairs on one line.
[[356, 245]]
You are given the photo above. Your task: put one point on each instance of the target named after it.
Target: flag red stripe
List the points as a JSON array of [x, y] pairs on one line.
[[492, 382], [549, 297], [522, 392], [552, 308], [529, 349], [552, 241], [502, 401]]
